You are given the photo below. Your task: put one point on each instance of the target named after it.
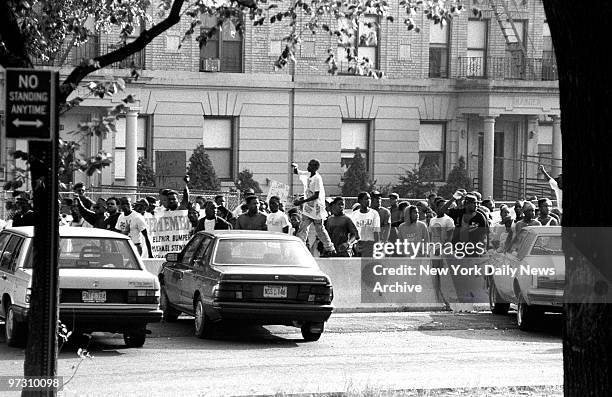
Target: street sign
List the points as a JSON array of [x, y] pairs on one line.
[[30, 104]]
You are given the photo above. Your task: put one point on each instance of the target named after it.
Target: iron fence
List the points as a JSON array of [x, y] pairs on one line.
[[507, 68]]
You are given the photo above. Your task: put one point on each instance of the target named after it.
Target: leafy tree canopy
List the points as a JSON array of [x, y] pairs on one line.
[[201, 171]]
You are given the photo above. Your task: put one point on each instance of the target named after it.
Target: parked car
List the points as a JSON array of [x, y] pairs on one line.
[[538, 284], [249, 276], [103, 284]]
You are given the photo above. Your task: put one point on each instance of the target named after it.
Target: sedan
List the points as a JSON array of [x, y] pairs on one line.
[[248, 276], [530, 274], [103, 284]]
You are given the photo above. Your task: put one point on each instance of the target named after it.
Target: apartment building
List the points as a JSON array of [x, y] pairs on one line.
[[482, 88]]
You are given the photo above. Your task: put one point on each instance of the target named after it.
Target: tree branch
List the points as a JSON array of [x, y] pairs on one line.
[[81, 71], [15, 54]]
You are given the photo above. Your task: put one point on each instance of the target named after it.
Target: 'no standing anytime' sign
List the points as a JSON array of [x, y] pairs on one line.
[[30, 103]]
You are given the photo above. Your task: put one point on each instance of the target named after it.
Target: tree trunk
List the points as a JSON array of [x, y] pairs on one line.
[[585, 84]]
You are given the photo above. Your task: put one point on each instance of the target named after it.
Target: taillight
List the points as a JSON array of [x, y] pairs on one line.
[[143, 296], [228, 291], [321, 294], [28, 295]]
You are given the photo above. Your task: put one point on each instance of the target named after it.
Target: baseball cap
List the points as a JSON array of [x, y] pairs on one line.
[[477, 194], [375, 193], [528, 206], [151, 200]]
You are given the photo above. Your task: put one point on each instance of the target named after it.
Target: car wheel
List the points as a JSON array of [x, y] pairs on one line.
[[202, 324], [309, 335], [135, 337], [525, 315], [14, 331], [495, 302], [170, 314]]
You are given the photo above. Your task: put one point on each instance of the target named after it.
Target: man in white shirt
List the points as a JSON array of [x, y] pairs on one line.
[[367, 222], [556, 184], [441, 227], [313, 211], [277, 221], [132, 224]]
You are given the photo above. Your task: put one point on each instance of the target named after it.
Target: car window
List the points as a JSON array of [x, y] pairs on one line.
[[262, 252], [10, 253], [96, 253], [547, 245], [203, 252], [4, 237], [191, 248]]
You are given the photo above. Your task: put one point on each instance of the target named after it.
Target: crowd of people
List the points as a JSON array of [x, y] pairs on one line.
[[464, 217]]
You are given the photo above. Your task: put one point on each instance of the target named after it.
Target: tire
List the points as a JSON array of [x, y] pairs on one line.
[[310, 336], [170, 315], [203, 328], [14, 331], [526, 315], [135, 337], [495, 302]]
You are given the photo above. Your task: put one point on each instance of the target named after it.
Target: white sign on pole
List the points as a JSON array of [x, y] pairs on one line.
[[278, 189]]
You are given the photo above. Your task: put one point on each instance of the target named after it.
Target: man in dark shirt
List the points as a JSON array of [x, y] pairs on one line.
[[97, 217], [252, 219], [470, 224], [211, 220], [112, 209], [222, 211], [341, 229], [385, 216], [24, 215]]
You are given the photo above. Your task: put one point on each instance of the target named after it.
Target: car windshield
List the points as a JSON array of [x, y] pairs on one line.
[[263, 252], [96, 253], [547, 245]]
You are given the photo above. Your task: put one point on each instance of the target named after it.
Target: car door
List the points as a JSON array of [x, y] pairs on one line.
[[174, 271], [193, 276], [14, 284], [182, 268], [5, 281]]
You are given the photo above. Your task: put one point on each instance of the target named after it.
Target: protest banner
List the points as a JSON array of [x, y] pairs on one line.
[[169, 231], [278, 189]]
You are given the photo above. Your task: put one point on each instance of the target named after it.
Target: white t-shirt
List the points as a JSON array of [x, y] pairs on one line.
[[276, 221], [558, 192], [133, 223], [209, 224], [367, 223], [439, 227], [314, 209]]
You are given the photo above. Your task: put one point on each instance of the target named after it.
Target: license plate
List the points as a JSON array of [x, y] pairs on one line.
[[94, 296], [275, 291]]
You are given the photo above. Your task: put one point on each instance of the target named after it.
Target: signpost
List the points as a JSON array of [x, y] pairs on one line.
[[31, 113]]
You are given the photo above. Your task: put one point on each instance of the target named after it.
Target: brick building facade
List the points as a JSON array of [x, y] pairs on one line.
[[458, 91]]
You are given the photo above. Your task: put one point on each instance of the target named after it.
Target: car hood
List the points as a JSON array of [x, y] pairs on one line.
[[295, 272], [106, 279]]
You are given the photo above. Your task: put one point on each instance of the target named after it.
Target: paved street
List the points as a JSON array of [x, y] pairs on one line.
[[357, 351]]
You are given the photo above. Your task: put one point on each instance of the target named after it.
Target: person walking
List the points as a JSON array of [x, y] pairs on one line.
[[252, 219], [132, 224], [341, 228], [313, 211], [367, 222], [211, 220]]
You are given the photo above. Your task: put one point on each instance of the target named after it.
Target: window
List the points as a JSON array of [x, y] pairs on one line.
[[431, 151], [476, 48], [544, 148], [354, 134], [224, 46], [438, 50], [190, 249], [514, 53], [218, 141], [549, 62], [141, 143], [363, 37], [10, 254]]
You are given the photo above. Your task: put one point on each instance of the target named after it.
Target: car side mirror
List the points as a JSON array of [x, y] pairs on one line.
[[172, 256]]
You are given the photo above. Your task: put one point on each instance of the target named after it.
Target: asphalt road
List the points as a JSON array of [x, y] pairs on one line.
[[357, 352]]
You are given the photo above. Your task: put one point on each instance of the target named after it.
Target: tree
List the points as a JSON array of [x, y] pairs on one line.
[[146, 176], [245, 182], [458, 178], [201, 172], [414, 183], [584, 85], [356, 178]]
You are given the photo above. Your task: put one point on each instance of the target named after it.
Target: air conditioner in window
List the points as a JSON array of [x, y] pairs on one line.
[[210, 65]]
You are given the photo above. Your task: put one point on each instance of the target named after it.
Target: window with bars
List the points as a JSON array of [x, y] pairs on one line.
[[218, 140], [223, 51], [431, 150], [354, 134], [438, 50]]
